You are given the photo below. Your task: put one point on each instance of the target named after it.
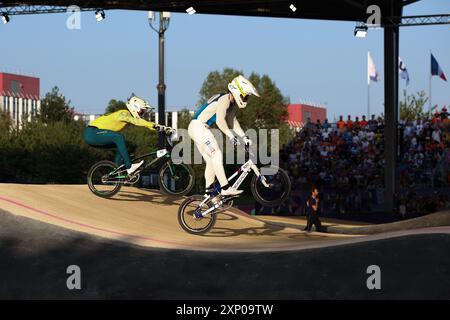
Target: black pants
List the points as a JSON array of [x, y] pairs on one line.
[[313, 219]]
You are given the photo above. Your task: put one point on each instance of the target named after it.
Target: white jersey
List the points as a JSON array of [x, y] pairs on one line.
[[219, 109]]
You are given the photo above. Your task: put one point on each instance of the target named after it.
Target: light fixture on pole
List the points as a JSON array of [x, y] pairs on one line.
[[5, 18], [361, 31], [151, 16], [164, 20], [190, 10], [100, 15]]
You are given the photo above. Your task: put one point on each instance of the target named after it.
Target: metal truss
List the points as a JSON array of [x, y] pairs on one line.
[[27, 9], [423, 20], [426, 20]]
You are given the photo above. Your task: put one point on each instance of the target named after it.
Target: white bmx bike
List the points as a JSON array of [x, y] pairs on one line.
[[198, 214]]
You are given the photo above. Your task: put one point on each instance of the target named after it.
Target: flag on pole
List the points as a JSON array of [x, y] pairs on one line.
[[372, 73], [403, 71], [436, 69]]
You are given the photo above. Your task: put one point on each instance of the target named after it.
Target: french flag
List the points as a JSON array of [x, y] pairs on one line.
[[436, 69]]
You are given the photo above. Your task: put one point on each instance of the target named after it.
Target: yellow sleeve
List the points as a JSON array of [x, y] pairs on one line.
[[126, 116]]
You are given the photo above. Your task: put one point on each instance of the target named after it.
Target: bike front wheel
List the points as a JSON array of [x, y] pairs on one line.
[[278, 189], [176, 179], [99, 180], [187, 216]]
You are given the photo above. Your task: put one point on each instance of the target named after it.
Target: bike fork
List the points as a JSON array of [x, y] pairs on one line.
[[264, 181], [260, 176]]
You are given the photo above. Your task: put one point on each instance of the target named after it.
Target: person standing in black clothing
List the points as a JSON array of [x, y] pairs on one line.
[[313, 205]]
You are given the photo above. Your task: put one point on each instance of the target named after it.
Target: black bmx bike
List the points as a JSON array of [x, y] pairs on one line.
[[270, 187], [105, 178]]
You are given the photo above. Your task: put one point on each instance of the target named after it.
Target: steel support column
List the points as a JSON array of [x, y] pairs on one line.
[[391, 53]]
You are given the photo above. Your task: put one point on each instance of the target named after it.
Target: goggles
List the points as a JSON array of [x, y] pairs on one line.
[[245, 98]]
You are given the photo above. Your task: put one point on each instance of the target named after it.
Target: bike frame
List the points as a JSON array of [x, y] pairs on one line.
[[242, 172], [159, 155]]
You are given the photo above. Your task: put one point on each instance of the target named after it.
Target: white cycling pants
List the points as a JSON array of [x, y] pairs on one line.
[[210, 151]]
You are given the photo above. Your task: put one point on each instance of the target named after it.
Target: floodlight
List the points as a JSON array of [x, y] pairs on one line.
[[190, 10], [5, 18], [151, 15], [361, 31], [99, 15]]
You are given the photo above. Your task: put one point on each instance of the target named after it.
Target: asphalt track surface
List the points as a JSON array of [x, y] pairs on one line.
[[132, 247]]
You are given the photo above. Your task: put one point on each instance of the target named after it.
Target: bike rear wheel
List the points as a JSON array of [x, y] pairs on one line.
[[278, 190], [99, 181], [176, 179], [187, 219]]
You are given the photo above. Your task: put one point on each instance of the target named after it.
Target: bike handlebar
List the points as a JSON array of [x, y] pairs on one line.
[[166, 130]]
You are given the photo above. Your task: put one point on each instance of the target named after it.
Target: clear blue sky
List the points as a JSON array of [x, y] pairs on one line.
[[313, 60]]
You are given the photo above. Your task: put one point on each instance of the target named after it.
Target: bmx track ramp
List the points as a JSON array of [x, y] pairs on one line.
[[131, 246], [146, 218], [149, 218]]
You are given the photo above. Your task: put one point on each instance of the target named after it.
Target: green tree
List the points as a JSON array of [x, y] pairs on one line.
[[217, 82], [5, 122], [55, 107], [115, 105], [51, 152], [412, 106]]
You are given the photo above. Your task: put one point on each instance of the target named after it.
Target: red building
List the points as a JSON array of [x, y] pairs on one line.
[[19, 95], [298, 114]]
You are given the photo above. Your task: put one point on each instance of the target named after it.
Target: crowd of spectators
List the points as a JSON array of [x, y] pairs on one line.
[[345, 159]]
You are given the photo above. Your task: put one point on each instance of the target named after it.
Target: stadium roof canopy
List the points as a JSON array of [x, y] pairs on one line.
[[346, 10]]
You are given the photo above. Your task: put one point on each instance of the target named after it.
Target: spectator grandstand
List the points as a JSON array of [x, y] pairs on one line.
[[345, 159]]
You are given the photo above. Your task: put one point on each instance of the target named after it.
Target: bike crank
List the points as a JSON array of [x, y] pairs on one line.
[[218, 204]]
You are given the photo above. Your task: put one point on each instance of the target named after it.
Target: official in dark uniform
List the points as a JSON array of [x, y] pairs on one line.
[[313, 206]]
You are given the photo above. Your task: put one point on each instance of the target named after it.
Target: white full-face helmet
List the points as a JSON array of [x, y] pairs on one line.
[[137, 106], [241, 89]]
